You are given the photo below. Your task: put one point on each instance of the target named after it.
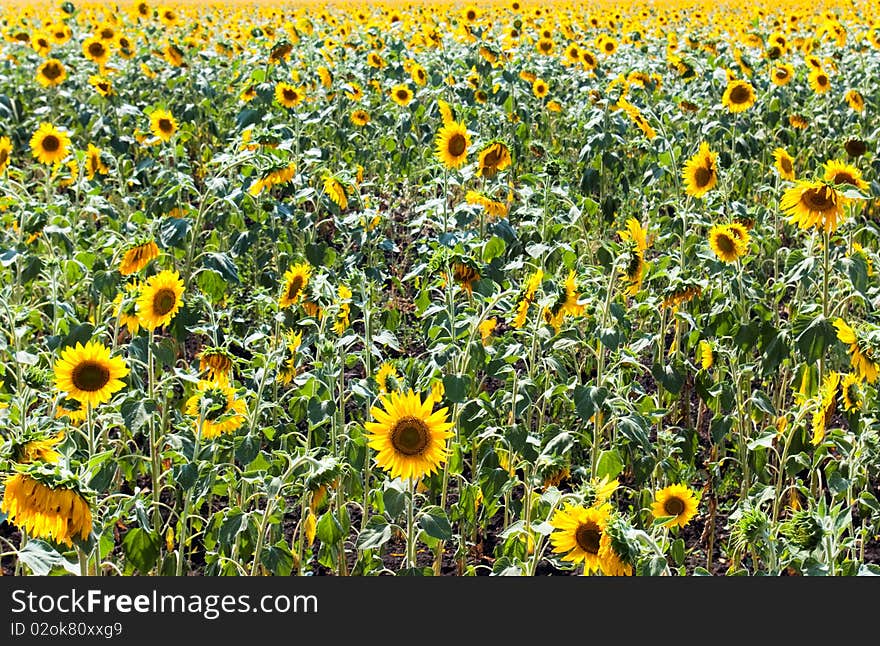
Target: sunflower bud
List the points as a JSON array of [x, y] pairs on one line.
[[803, 529]]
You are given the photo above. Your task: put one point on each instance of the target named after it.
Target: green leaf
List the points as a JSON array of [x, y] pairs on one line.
[[173, 232], [136, 413], [246, 452], [223, 265], [211, 284], [677, 551], [456, 388], [609, 464], [435, 523], [762, 402], [329, 529], [141, 548], [42, 558], [814, 338], [278, 559], [667, 376], [375, 534], [186, 476], [233, 524], [394, 500]]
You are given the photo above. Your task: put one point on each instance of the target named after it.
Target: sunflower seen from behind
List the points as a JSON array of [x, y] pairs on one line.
[[410, 439], [452, 144], [677, 503], [50, 145], [160, 299], [89, 374]]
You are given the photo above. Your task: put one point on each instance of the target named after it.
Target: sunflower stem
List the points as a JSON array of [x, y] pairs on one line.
[[410, 526], [825, 305], [184, 521], [154, 441]]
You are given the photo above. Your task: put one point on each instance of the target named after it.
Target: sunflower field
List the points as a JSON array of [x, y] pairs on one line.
[[511, 288]]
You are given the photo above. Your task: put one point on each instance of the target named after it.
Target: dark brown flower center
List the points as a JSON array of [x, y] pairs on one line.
[[819, 199], [725, 243], [4, 155], [410, 436], [52, 71], [296, 285], [90, 376], [842, 177], [51, 143], [165, 125], [163, 301], [740, 94], [588, 536], [289, 95], [785, 163], [96, 50], [457, 145], [822, 80], [702, 176], [673, 506]]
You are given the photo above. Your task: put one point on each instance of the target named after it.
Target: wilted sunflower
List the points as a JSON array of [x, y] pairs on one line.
[[579, 533], [49, 145], [137, 257], [862, 352], [88, 374], [465, 275], [452, 144], [5, 153], [798, 121], [51, 73], [839, 173], [410, 439], [288, 95], [336, 192], [739, 96], [493, 158], [814, 204], [160, 299], [46, 505], [217, 362], [701, 172], [163, 125], [401, 94], [854, 148], [37, 448], [223, 411], [296, 279], [729, 243], [676, 501], [784, 164]]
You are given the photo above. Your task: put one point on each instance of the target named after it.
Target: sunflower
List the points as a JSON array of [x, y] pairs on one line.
[[401, 94], [336, 192], [126, 308], [465, 275], [819, 81], [5, 153], [739, 96], [38, 449], [75, 412], [216, 405], [410, 439], [487, 328], [798, 122], [296, 279], [493, 158], [784, 164], [51, 73], [217, 362], [637, 240], [288, 95], [814, 204], [360, 118], [58, 513], [855, 100], [160, 299], [540, 88], [676, 501], [728, 243], [287, 370], [707, 355], [137, 257], [94, 164], [96, 50], [163, 125], [861, 352], [343, 314], [850, 393], [49, 145], [839, 173], [102, 85], [782, 74], [566, 303], [579, 533], [88, 374], [387, 378], [418, 74], [827, 403], [531, 288], [853, 147], [701, 172], [452, 144]]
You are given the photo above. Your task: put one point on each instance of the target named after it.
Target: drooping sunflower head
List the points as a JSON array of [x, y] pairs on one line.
[[493, 158], [452, 143], [37, 447], [814, 204], [579, 533], [739, 96], [854, 147], [49, 144], [216, 361], [335, 190], [163, 125], [45, 501], [410, 439], [88, 374], [138, 257], [387, 378], [160, 299], [94, 163], [51, 73], [465, 274], [839, 173], [676, 502], [784, 164], [296, 279], [701, 172]]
